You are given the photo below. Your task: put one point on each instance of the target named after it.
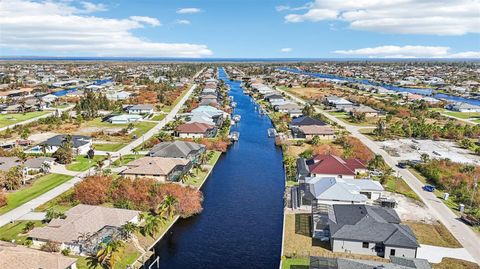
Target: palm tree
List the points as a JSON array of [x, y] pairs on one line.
[[44, 148], [106, 256], [135, 151], [152, 224], [168, 206], [204, 158], [128, 229]]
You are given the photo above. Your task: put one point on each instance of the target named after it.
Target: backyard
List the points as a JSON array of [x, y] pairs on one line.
[[199, 177], [31, 191], [15, 231], [83, 163]]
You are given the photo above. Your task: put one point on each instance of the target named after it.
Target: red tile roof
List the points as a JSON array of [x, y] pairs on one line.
[[334, 165], [194, 127]]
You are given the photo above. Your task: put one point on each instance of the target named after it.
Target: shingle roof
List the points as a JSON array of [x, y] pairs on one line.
[[153, 166], [82, 219], [14, 256], [316, 130], [306, 120], [175, 149], [8, 162], [194, 127], [37, 162], [77, 140], [371, 224]]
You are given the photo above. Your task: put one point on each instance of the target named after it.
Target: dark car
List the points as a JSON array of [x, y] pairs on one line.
[[402, 165], [429, 188]]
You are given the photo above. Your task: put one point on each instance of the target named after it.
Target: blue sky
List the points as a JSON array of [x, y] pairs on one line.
[[241, 29]]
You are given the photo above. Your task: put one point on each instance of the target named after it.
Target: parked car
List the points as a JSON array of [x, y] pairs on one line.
[[402, 165], [429, 188]]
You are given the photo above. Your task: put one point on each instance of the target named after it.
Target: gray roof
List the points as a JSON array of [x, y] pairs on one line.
[[344, 263], [175, 149], [331, 188], [140, 107], [8, 162], [371, 224], [37, 162], [77, 140]]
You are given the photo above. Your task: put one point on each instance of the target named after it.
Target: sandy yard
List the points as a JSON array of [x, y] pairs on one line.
[[411, 149], [40, 137], [411, 210]]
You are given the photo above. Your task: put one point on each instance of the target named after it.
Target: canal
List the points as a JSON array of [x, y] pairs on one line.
[[241, 224]]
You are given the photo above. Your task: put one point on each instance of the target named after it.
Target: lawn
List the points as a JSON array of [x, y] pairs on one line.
[[199, 178], [158, 117], [10, 119], [61, 203], [128, 254], [433, 234], [450, 263], [14, 231], [29, 192], [112, 147], [398, 185], [301, 263], [345, 117], [125, 159], [82, 163], [463, 115], [143, 127]]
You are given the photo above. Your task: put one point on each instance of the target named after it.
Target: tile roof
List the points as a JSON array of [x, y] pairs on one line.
[[14, 256], [153, 166], [194, 127], [175, 149], [334, 165]]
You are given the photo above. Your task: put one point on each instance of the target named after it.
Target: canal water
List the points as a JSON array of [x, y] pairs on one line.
[[241, 224], [447, 97]]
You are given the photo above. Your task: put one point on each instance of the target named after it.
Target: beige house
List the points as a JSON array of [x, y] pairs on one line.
[[160, 168], [310, 131], [84, 227], [15, 256]]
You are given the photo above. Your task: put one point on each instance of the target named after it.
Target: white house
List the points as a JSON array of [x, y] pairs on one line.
[[125, 119], [140, 109]]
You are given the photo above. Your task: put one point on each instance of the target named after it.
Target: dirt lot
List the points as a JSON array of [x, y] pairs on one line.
[[411, 210]]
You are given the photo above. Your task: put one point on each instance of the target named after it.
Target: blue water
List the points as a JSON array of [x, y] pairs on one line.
[[241, 224], [389, 87]]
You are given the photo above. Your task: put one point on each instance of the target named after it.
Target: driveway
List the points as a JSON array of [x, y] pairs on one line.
[[435, 254]]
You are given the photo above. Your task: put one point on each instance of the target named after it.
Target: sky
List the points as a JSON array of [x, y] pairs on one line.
[[241, 28]]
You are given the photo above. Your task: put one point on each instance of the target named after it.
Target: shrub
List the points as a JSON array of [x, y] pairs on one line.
[[51, 246], [28, 226], [3, 198], [189, 200], [93, 190], [66, 252]]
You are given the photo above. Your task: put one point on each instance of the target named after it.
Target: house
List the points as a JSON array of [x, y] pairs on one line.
[[6, 163], [17, 256], [330, 166], [125, 118], [195, 130], [293, 110], [80, 144], [160, 168], [337, 102], [343, 263], [368, 230], [274, 97], [178, 149], [39, 164], [120, 95], [362, 109], [140, 109], [463, 107], [310, 131], [305, 120], [83, 228], [331, 190]]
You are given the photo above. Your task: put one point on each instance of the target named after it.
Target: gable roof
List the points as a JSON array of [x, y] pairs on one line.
[[371, 224], [334, 165], [82, 219], [194, 127], [175, 149]]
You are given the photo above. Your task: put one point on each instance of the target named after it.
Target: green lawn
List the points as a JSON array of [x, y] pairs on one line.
[[112, 147], [14, 231], [143, 127], [398, 185], [158, 117], [10, 119], [125, 159], [199, 178], [295, 263], [82, 163], [463, 115], [38, 187], [127, 254], [345, 117]]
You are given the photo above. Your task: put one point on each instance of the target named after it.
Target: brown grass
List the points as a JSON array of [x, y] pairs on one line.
[[433, 234], [451, 263]]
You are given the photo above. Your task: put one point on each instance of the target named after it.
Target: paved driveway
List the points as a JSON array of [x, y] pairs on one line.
[[435, 254]]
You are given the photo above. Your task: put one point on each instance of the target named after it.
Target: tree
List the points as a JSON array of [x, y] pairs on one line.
[[93, 190], [64, 154], [53, 214], [3, 198], [424, 157], [377, 163], [128, 229], [152, 224], [308, 110], [135, 151], [316, 140], [380, 130], [466, 143], [28, 226], [107, 255], [12, 180], [168, 206]]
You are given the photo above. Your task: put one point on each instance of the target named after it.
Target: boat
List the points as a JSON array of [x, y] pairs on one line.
[[234, 136], [233, 104], [272, 132], [236, 118]]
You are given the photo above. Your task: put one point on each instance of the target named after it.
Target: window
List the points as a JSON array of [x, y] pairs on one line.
[[365, 244], [392, 252]]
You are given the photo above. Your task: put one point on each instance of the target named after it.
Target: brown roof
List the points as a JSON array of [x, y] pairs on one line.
[[316, 130], [13, 256], [334, 165], [82, 219], [194, 127], [154, 166]]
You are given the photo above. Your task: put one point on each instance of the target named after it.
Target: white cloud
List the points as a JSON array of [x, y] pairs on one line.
[[182, 22], [89, 7], [51, 27], [188, 10], [286, 50], [147, 20], [407, 52], [436, 17]]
